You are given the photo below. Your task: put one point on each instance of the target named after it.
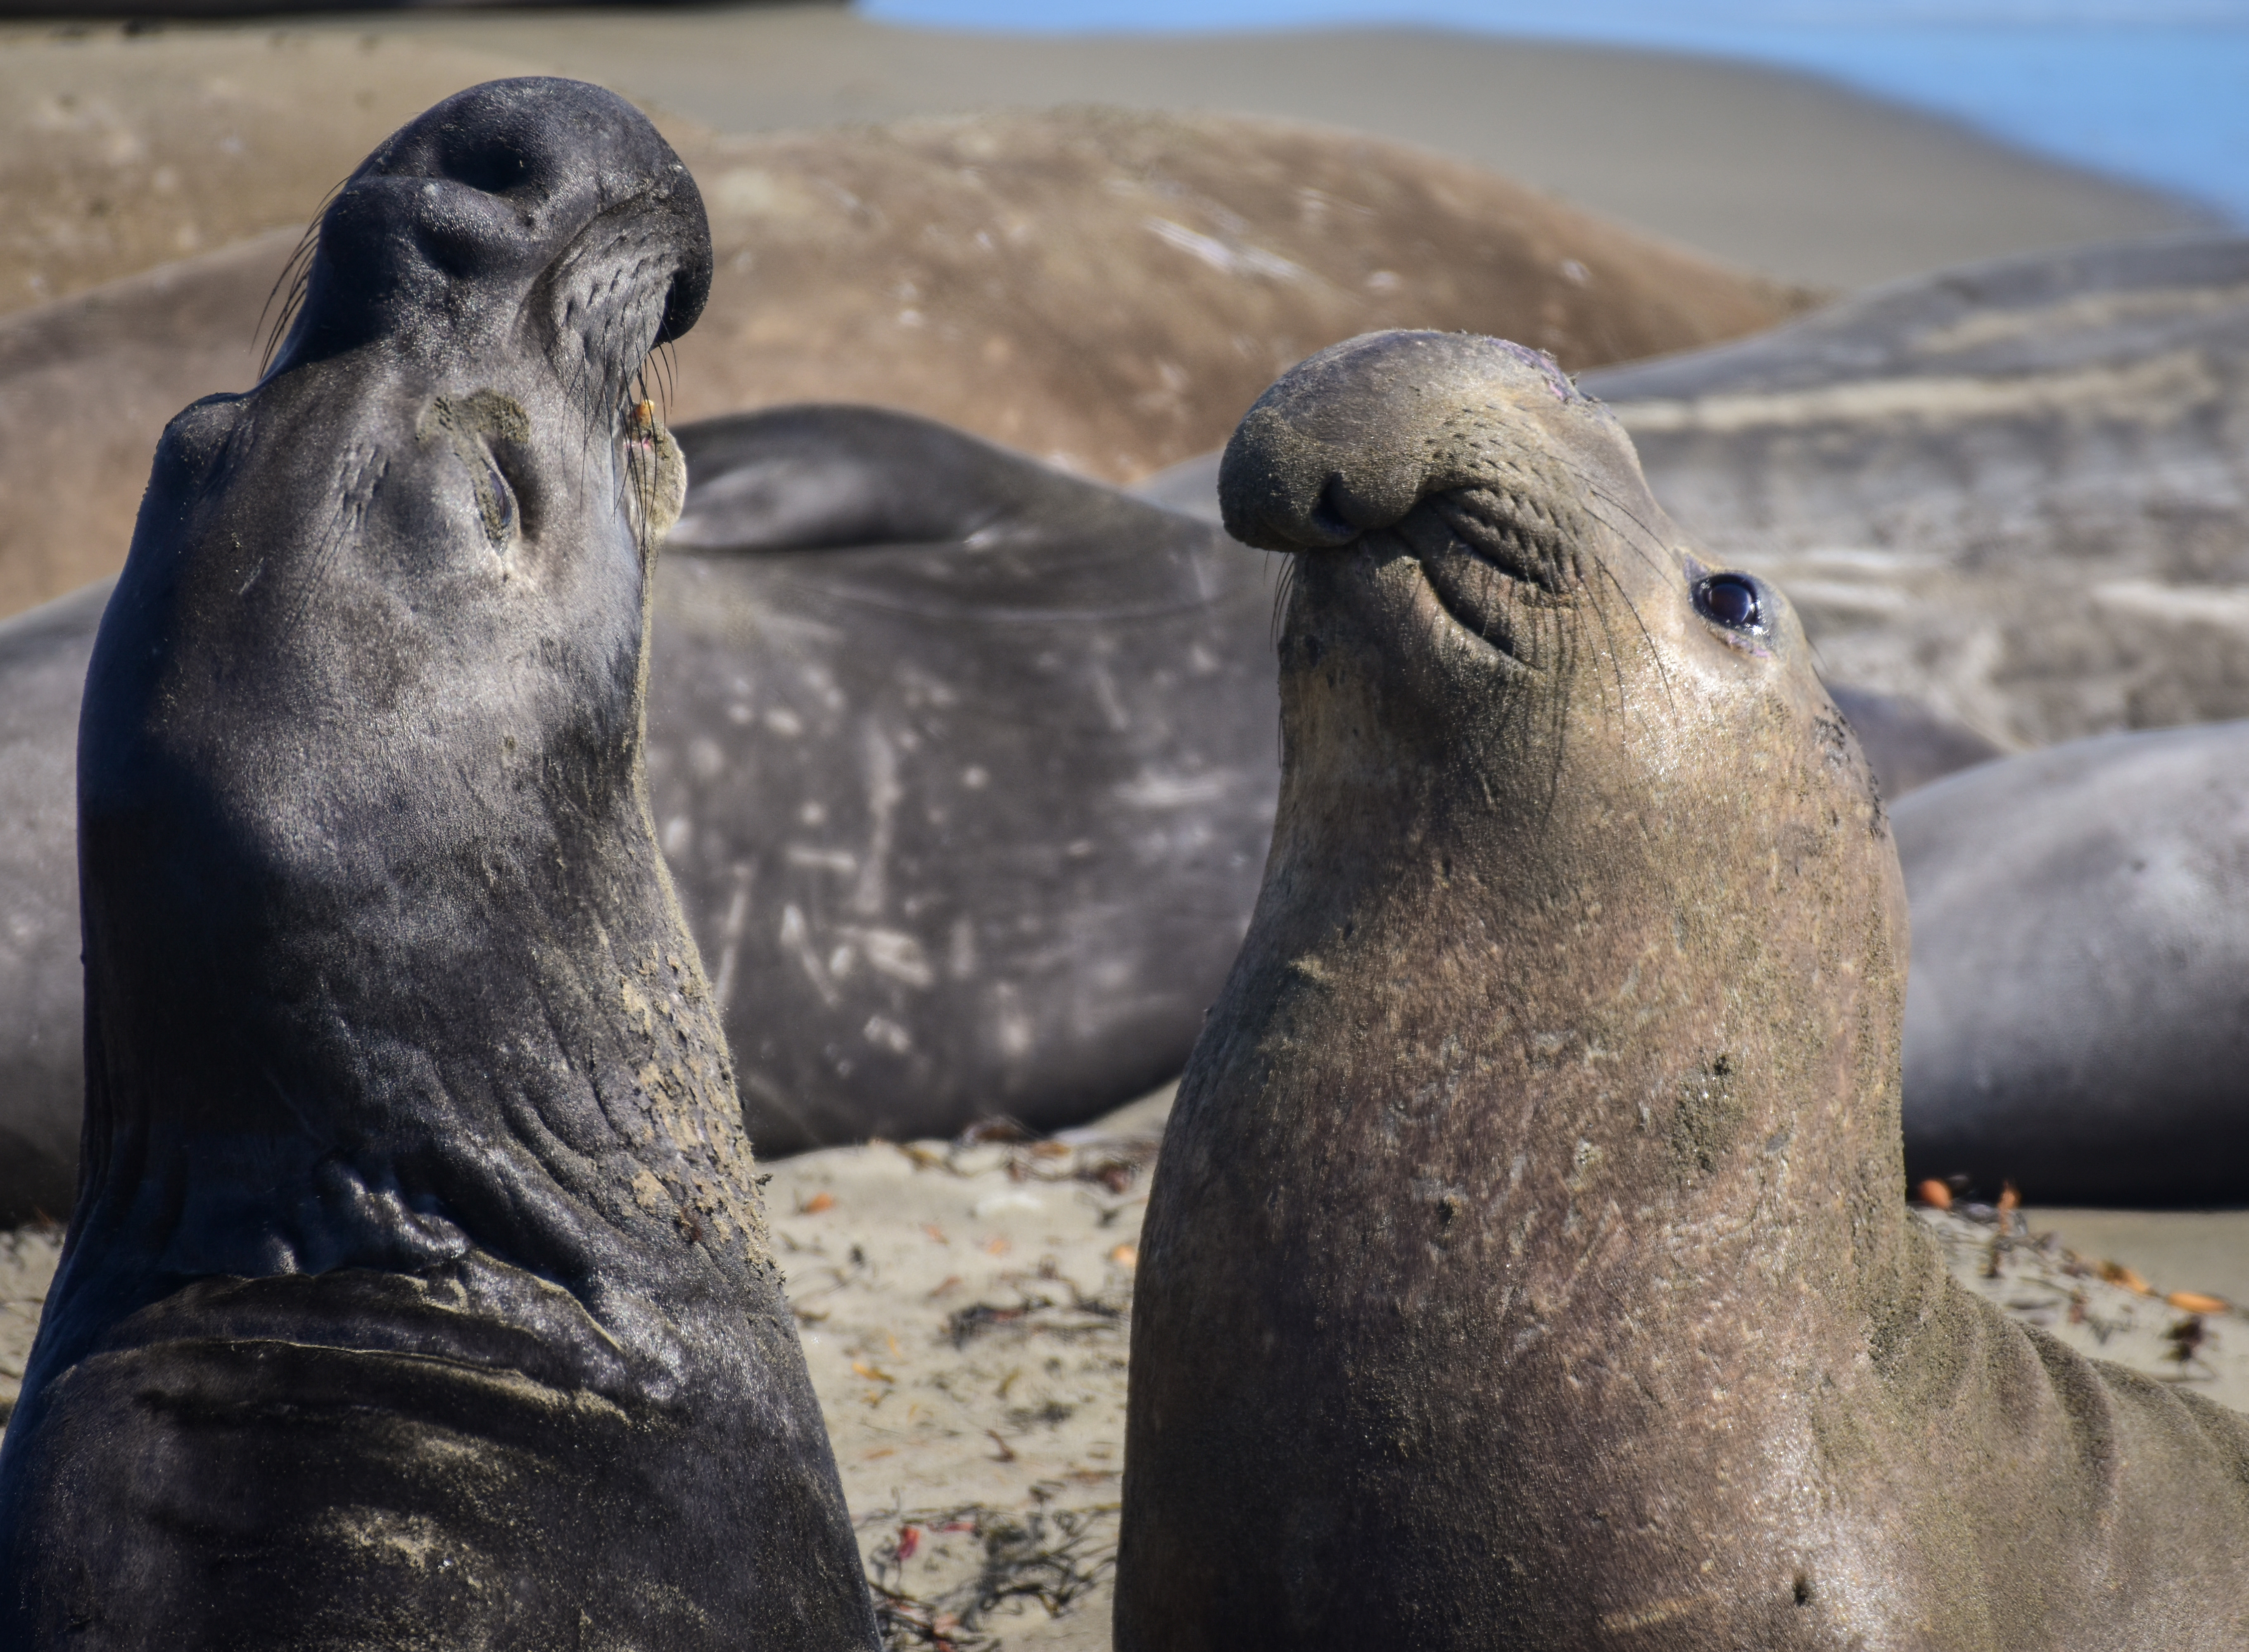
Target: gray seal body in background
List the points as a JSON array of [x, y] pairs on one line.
[[418, 1290], [964, 769], [2078, 1019]]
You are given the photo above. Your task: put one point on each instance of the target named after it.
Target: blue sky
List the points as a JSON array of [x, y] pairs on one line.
[[2152, 90]]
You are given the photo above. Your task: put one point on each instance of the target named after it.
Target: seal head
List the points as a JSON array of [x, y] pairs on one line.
[[1527, 1262], [417, 1290]]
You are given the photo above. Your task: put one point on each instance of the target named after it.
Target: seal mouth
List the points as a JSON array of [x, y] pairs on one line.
[[1493, 560]]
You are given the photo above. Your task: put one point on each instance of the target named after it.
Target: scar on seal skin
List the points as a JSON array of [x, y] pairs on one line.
[[418, 1291], [1528, 1263]]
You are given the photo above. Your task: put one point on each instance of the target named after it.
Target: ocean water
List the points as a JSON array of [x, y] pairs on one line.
[[2152, 91]]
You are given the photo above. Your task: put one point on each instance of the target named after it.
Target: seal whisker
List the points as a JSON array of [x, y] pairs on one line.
[[1608, 635], [1654, 654], [1603, 496], [1557, 743], [1283, 588], [295, 276]]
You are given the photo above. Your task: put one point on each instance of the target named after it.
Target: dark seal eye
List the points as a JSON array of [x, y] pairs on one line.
[[1730, 599]]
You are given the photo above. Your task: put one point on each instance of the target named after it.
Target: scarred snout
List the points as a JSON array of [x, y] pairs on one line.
[[1349, 440], [523, 181]]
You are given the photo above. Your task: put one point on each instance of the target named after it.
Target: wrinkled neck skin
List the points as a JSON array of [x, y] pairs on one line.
[[1527, 1264], [383, 969], [1668, 918], [1568, 1020]]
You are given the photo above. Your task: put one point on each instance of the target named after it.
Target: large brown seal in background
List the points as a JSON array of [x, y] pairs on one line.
[[418, 1290], [1528, 1262], [1102, 290]]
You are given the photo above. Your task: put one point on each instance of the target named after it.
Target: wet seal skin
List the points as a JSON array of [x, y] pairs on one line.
[[417, 1291], [1528, 1263]]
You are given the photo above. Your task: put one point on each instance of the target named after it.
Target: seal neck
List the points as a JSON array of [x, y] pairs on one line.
[[383, 969], [1619, 988]]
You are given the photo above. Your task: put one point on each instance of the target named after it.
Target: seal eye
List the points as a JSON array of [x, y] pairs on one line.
[[1731, 600]]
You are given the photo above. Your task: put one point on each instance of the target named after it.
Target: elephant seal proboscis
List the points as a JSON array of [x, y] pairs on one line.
[[1528, 1262], [418, 1291], [2078, 1021], [1907, 743], [964, 769]]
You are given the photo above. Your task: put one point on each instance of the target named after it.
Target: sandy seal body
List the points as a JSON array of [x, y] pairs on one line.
[[417, 1290], [1528, 1262]]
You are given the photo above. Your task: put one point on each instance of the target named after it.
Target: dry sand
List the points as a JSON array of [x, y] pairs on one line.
[[965, 1311]]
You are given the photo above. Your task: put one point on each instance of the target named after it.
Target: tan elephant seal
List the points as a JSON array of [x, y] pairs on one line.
[[1528, 1264]]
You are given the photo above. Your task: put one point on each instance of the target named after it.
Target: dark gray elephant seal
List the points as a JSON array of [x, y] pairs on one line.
[[964, 769], [1528, 1263], [2078, 1018], [965, 766], [418, 1291]]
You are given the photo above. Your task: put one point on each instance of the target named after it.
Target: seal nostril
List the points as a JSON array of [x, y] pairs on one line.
[[488, 162], [690, 288], [493, 171], [1326, 517], [1732, 600]]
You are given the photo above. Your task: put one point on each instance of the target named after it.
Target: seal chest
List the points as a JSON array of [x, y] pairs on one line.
[[1527, 1264], [418, 1291]]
